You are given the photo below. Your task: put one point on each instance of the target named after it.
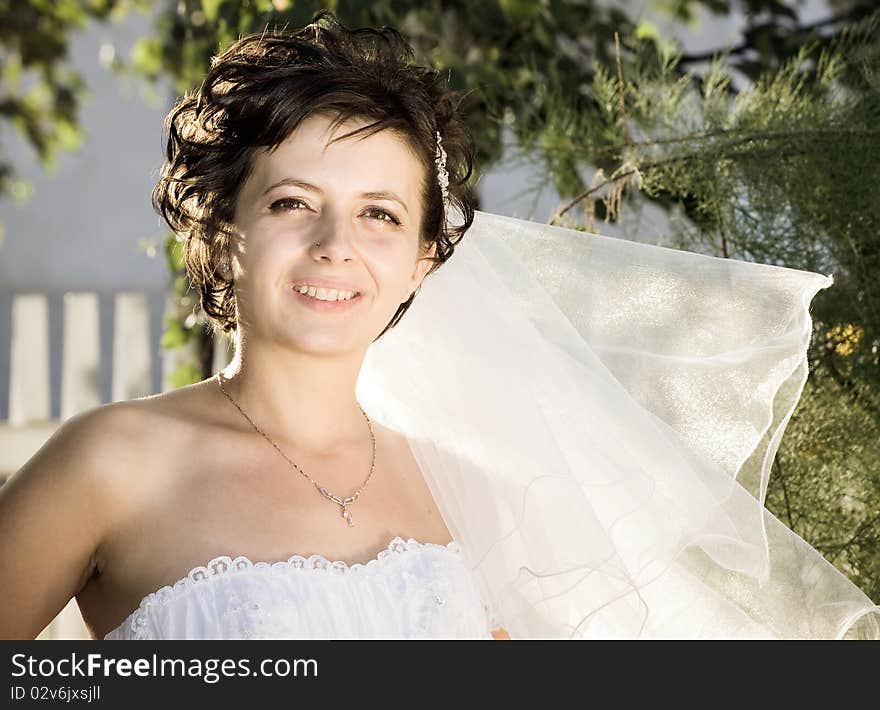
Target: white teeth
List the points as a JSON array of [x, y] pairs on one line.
[[325, 294]]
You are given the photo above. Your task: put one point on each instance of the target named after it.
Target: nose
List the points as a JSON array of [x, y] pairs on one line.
[[333, 240]]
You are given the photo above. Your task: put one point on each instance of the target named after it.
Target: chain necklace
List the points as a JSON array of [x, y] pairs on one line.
[[344, 502]]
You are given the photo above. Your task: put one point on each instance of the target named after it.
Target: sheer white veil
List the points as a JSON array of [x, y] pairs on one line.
[[596, 419]]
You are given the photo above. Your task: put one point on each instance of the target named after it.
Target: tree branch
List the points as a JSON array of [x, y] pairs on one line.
[[756, 135], [784, 490], [748, 138], [855, 536]]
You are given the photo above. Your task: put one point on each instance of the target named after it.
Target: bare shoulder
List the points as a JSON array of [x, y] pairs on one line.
[[121, 434], [91, 443], [114, 444], [60, 508]]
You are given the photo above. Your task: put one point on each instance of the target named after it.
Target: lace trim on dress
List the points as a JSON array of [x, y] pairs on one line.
[[228, 565]]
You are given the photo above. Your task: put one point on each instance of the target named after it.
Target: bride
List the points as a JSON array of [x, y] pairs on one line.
[[499, 463], [306, 239]]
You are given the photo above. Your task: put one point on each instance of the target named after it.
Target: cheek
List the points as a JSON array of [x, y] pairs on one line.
[[265, 251], [392, 272]]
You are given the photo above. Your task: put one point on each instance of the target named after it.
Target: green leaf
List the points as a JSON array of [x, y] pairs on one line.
[[174, 253], [186, 374], [646, 30], [21, 190], [520, 11], [175, 334], [211, 8], [146, 56], [68, 135], [181, 284]]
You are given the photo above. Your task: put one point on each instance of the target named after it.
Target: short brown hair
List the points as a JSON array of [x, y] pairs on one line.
[[256, 94]]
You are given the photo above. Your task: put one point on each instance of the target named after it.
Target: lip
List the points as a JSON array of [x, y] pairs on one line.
[[325, 283], [325, 306]]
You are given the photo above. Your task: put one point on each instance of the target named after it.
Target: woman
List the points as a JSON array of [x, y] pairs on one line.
[[309, 176], [575, 431]]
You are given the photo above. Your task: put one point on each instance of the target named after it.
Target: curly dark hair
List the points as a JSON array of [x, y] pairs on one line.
[[256, 94]]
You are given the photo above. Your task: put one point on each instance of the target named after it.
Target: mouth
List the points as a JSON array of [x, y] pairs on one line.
[[323, 306]]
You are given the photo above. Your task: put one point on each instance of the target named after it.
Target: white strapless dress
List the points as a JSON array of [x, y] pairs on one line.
[[411, 590]]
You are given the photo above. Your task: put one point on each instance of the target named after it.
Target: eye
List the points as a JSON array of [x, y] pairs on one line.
[[285, 204], [391, 217]]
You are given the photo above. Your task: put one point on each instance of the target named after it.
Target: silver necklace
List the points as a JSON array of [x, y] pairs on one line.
[[344, 502]]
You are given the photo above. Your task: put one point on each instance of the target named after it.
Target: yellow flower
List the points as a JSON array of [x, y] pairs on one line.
[[847, 337]]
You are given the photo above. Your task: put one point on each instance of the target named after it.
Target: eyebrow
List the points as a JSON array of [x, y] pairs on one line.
[[375, 195]]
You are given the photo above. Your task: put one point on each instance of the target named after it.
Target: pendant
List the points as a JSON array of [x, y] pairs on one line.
[[340, 501]]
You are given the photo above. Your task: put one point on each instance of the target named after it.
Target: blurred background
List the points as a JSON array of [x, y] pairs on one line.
[[743, 129]]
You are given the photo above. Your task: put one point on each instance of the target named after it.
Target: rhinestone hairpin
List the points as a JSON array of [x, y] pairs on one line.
[[442, 174]]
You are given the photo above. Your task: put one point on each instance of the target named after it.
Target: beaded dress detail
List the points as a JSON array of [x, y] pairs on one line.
[[410, 590]]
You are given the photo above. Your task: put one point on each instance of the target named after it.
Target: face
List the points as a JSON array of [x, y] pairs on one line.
[[359, 200]]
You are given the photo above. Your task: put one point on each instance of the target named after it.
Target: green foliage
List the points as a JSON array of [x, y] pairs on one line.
[[186, 374], [183, 325], [825, 483], [175, 335], [500, 52], [510, 57], [40, 94], [186, 328]]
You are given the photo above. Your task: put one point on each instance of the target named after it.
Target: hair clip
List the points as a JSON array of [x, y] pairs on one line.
[[442, 174]]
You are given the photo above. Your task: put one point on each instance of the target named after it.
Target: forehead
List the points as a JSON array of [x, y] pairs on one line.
[[381, 161]]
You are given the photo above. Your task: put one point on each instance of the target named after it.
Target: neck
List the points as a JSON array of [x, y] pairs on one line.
[[301, 400]]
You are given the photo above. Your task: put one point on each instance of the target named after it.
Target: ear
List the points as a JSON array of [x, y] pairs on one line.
[[423, 265]]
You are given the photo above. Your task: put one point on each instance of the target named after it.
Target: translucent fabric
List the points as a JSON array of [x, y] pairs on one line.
[[411, 590], [596, 419]]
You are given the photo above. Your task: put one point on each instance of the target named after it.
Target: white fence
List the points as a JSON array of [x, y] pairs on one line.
[[51, 367]]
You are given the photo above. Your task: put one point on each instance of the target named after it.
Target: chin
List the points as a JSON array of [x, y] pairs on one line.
[[328, 343]]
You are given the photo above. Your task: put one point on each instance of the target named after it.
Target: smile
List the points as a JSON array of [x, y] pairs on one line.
[[324, 306], [326, 294]]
